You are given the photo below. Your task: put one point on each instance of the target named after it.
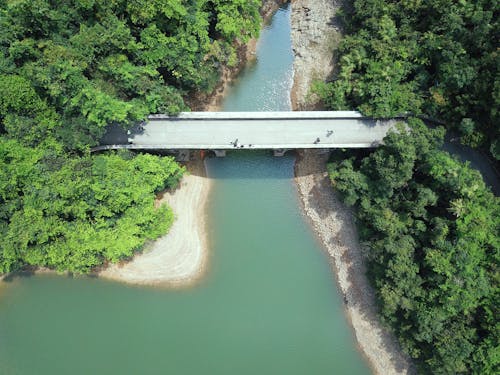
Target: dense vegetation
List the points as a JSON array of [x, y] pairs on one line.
[[72, 213], [429, 224], [68, 68], [437, 58], [431, 228]]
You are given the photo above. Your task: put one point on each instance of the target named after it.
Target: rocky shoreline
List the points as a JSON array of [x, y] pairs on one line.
[[315, 34], [335, 226]]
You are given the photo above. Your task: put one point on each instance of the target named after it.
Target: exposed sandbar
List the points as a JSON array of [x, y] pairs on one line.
[[178, 258]]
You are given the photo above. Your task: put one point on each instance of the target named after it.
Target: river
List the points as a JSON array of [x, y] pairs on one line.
[[268, 305]]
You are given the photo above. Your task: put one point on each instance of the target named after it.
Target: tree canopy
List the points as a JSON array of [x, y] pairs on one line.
[[76, 212], [73, 66], [426, 57], [70, 68], [431, 228]]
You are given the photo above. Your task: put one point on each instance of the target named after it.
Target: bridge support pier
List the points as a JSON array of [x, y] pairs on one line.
[[183, 155], [220, 153], [280, 151]]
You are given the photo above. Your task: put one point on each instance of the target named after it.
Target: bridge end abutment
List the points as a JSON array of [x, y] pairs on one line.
[[183, 155], [219, 153]]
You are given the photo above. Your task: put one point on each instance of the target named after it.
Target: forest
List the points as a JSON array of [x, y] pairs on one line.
[[436, 59], [427, 222], [430, 228], [69, 68]]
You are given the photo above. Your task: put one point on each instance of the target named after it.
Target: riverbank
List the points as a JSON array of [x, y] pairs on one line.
[[178, 258], [315, 34], [335, 227]]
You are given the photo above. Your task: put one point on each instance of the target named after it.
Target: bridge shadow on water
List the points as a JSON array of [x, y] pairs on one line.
[[249, 164], [243, 158]]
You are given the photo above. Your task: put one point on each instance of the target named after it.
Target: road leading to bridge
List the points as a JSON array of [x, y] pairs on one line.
[[254, 130]]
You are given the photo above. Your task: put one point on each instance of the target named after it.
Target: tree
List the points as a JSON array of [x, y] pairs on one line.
[[424, 57], [70, 68], [431, 228], [77, 213]]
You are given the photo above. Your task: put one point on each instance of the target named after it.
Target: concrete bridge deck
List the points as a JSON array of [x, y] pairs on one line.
[[252, 130]]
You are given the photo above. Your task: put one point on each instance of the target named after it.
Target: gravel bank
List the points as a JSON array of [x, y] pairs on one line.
[[334, 224], [315, 34]]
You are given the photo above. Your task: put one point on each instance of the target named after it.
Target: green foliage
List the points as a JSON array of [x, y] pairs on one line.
[[68, 69], [110, 61], [432, 229], [76, 213], [437, 58], [237, 18], [24, 114]]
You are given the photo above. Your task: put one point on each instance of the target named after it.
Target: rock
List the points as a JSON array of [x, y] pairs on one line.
[[315, 33]]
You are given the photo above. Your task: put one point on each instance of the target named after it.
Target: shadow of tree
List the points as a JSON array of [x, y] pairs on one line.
[[29, 271]]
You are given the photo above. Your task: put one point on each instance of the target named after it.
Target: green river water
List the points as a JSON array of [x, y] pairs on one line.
[[268, 305]]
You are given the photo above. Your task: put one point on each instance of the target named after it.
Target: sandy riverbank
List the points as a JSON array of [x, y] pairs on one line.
[[315, 34], [178, 258]]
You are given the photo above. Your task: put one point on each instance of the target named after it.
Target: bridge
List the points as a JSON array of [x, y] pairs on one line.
[[278, 131]]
